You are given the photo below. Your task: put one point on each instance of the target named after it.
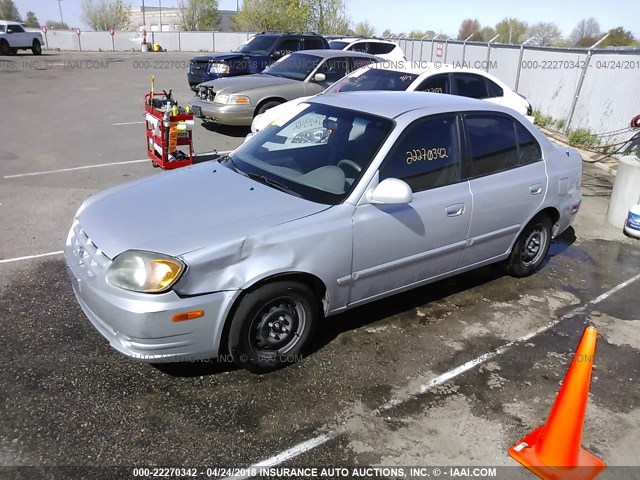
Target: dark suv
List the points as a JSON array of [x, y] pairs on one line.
[[252, 57]]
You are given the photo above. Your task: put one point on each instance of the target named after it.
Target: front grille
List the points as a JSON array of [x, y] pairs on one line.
[[86, 252], [207, 94]]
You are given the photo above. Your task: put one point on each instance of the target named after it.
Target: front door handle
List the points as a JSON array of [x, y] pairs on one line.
[[454, 210], [536, 189]]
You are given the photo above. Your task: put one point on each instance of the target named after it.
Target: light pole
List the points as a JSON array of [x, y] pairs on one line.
[[60, 8], [144, 21], [160, 13]]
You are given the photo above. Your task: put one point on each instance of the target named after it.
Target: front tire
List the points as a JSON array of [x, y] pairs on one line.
[[36, 48], [5, 49], [266, 106], [531, 248], [272, 325]]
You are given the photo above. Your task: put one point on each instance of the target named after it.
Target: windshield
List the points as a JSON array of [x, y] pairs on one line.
[[318, 154], [338, 45], [296, 66], [374, 79], [260, 44]]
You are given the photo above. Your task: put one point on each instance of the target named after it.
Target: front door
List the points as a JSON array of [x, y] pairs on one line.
[[396, 246]]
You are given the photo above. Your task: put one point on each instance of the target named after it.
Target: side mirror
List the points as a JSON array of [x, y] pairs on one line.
[[319, 77], [277, 55], [390, 192]]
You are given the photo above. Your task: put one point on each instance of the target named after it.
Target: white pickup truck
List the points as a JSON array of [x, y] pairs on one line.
[[13, 37]]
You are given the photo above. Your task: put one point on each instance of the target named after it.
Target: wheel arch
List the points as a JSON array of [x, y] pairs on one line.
[[316, 285], [267, 100]]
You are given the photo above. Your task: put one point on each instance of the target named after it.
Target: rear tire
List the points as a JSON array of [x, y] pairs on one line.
[[36, 47], [14, 51], [5, 49], [531, 248], [272, 325]]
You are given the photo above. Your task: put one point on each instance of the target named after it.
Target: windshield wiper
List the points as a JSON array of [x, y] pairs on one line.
[[270, 182]]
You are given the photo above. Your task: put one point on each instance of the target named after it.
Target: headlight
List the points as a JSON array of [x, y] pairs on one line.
[[233, 99], [145, 272], [215, 67]]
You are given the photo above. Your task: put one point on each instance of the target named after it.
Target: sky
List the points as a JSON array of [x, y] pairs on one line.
[[407, 15]]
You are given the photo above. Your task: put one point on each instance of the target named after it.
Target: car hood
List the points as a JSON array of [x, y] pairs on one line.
[[244, 83], [185, 210], [218, 56]]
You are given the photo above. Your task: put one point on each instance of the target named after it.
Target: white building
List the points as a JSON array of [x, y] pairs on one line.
[[171, 19]]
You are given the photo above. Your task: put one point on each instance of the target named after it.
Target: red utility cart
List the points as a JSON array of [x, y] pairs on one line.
[[165, 139]]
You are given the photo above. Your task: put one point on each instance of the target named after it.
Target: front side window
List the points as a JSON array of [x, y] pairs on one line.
[[492, 143], [376, 48], [15, 29], [318, 154], [469, 85], [374, 79], [296, 66], [334, 68], [435, 84], [427, 155]]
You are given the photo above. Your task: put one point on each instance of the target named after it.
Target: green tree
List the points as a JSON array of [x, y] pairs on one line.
[[56, 25], [487, 33], [511, 30], [429, 34], [8, 11], [271, 15], [327, 16], [619, 37], [365, 29], [102, 15], [586, 32], [31, 20], [470, 28], [199, 15], [545, 32]]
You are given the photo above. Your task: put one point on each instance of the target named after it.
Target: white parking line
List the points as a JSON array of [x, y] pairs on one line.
[[84, 167], [127, 123], [309, 445], [29, 257]]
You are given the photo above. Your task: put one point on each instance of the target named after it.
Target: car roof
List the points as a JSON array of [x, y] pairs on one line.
[[9, 22], [326, 53], [360, 39], [394, 104]]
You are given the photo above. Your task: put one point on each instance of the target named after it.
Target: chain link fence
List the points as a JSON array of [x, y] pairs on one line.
[[594, 92]]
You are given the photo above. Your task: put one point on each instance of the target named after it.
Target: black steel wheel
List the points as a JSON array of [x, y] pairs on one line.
[[272, 326], [531, 248]]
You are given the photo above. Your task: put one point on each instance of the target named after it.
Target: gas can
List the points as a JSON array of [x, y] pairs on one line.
[[632, 225]]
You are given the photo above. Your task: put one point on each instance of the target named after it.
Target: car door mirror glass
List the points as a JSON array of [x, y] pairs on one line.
[[390, 191], [319, 77], [278, 54]]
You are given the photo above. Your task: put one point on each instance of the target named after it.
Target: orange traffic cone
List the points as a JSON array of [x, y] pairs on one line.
[[553, 451]]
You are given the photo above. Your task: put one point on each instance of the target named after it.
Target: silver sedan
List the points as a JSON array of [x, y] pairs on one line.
[[355, 197]]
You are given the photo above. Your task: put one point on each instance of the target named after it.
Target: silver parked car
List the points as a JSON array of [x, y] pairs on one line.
[[359, 196], [236, 100]]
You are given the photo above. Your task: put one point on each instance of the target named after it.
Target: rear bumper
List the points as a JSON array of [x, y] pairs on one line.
[[140, 326]]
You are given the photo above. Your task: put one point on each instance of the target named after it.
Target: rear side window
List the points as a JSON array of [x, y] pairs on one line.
[[469, 85], [435, 84], [494, 89], [313, 44], [359, 62], [338, 45], [492, 144], [376, 48], [1, 28], [529, 150], [426, 156], [289, 45]]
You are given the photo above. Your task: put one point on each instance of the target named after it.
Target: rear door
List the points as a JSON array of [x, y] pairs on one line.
[[508, 181]]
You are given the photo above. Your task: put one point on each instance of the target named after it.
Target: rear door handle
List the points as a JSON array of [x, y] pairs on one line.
[[536, 189], [454, 210]]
